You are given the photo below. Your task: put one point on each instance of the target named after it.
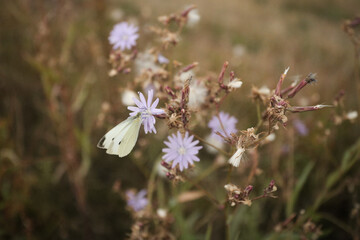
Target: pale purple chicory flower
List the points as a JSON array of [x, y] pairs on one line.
[[181, 150], [162, 59], [123, 36], [301, 127], [147, 109], [137, 201], [224, 124]]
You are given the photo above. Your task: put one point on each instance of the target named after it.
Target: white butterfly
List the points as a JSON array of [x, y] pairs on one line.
[[121, 139]]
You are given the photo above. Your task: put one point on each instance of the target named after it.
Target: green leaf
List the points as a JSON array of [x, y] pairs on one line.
[[299, 185]]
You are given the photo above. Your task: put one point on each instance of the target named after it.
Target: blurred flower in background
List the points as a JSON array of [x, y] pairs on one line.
[[198, 93], [162, 59], [127, 97], [352, 115], [224, 124], [137, 201], [193, 18], [145, 61], [123, 36], [301, 127]]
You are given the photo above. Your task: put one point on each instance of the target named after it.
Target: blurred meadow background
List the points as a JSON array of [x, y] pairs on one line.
[[55, 93]]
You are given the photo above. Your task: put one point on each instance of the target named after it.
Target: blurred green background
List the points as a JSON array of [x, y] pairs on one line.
[[55, 183]]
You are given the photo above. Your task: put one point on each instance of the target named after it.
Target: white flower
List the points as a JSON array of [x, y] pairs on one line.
[[197, 94], [236, 83], [352, 115], [237, 157], [193, 18], [198, 91], [127, 97]]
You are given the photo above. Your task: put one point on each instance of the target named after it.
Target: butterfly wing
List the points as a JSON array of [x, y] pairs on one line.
[[107, 140], [129, 140]]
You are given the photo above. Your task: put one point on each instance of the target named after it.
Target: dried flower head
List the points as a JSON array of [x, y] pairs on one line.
[[235, 83], [279, 104], [262, 94], [198, 93], [247, 139], [235, 160], [146, 61], [236, 195]]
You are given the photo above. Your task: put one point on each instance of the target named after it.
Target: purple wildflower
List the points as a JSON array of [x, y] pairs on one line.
[[301, 127], [147, 109], [162, 59], [181, 150], [123, 36], [137, 202], [225, 127]]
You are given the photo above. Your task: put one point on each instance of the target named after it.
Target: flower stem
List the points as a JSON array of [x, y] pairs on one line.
[[211, 145], [229, 174], [227, 222], [209, 195]]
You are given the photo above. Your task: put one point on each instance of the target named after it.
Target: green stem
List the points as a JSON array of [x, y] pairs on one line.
[[228, 177], [209, 195], [207, 172], [227, 219], [211, 145], [151, 185]]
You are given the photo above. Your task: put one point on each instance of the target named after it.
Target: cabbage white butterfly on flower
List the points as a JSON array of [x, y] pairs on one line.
[[121, 139]]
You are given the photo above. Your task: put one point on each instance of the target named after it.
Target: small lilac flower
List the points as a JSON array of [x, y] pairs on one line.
[[162, 59], [137, 202], [181, 150], [147, 109], [225, 127], [301, 127], [123, 36]]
